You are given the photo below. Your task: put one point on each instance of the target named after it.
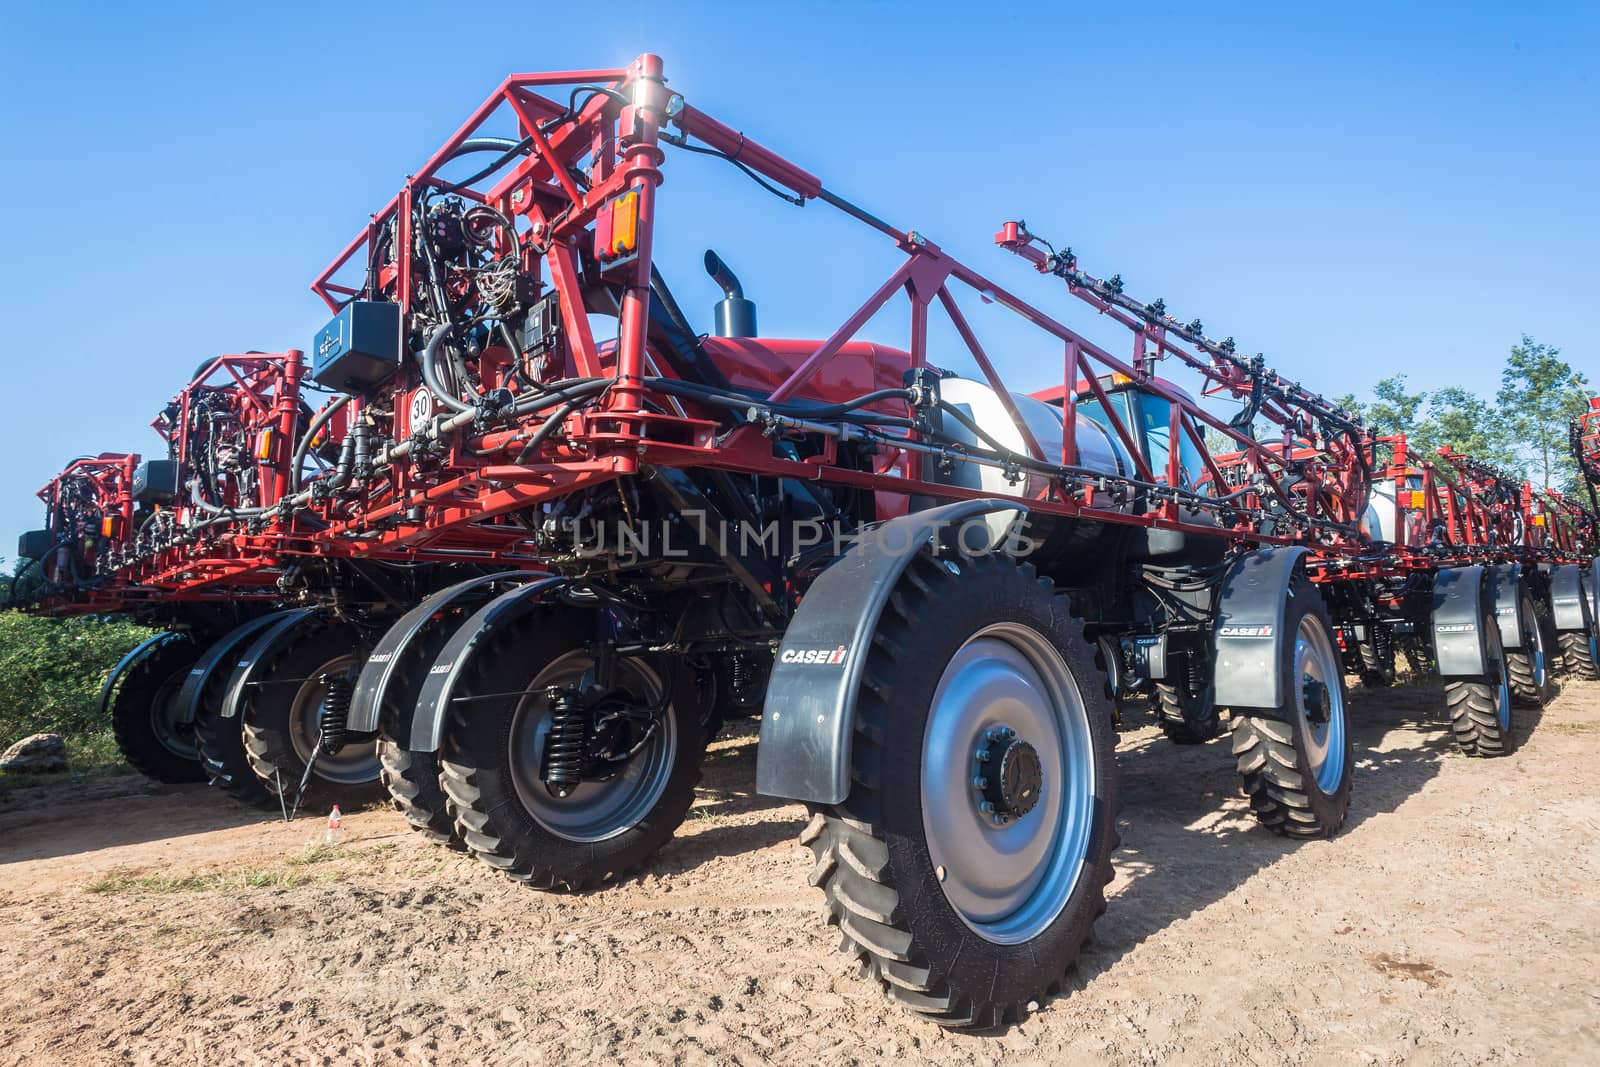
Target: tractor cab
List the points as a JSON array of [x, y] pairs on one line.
[[1147, 416]]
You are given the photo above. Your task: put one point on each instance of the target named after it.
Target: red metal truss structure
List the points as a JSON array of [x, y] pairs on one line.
[[573, 195], [89, 515], [555, 222]]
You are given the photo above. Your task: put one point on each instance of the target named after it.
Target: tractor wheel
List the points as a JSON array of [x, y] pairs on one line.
[[221, 743], [412, 779], [492, 760], [304, 694], [969, 861], [1377, 663], [1297, 763], [1480, 708], [1186, 719], [144, 717], [1579, 655], [1528, 668]]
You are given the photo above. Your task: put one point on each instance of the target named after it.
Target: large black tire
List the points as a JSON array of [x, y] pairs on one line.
[[280, 728], [1530, 668], [1298, 777], [142, 714], [1480, 711], [221, 743], [1187, 720], [412, 779], [1577, 655], [875, 854], [499, 810]]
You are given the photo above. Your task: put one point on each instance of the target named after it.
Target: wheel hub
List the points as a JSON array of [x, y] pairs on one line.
[[1010, 775], [1318, 703]]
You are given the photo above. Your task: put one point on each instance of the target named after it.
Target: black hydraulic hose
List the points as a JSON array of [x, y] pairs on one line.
[[312, 430], [694, 391], [551, 424], [430, 373], [510, 150]]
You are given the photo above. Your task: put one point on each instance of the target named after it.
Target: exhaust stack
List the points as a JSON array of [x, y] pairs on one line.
[[735, 316]]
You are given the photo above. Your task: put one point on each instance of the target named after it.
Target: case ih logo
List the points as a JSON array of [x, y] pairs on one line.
[[1455, 628], [1245, 631], [831, 656]]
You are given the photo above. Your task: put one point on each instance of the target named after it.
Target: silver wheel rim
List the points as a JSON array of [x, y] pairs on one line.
[[594, 811], [1316, 663], [174, 736], [1536, 657], [1502, 703], [355, 764], [1008, 882]]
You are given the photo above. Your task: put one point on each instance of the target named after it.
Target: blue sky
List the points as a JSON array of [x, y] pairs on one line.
[[1352, 189]]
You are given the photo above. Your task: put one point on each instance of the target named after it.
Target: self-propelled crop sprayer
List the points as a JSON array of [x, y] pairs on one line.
[[548, 536]]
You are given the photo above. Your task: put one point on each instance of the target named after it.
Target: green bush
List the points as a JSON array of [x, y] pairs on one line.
[[51, 671]]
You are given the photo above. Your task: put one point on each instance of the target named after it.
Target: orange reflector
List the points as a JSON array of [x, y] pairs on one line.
[[264, 446], [107, 524], [624, 224], [1538, 520]]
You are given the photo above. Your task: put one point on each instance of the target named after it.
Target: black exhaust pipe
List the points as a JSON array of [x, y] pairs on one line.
[[736, 316]]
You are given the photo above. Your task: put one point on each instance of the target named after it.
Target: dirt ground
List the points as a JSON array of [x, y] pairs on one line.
[[1455, 920]]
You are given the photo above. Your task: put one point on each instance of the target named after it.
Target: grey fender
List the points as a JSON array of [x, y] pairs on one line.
[[808, 721], [1505, 593], [1249, 628], [267, 642], [1569, 600], [1461, 610], [221, 656], [1591, 588], [141, 652], [403, 642], [439, 690]]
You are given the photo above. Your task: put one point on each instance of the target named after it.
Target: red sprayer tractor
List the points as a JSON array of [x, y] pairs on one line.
[[546, 537]]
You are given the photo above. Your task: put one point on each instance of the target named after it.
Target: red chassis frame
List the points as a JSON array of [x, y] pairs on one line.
[[619, 129]]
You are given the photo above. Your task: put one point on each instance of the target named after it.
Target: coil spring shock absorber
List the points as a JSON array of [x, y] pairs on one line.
[[567, 743], [334, 716], [1194, 677]]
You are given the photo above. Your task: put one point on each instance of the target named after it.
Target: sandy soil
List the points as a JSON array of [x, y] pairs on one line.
[[1455, 920]]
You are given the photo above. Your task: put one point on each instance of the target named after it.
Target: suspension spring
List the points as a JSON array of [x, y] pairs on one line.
[[334, 716], [566, 745], [739, 676], [1194, 675]]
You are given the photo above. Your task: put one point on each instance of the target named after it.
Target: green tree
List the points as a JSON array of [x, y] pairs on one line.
[[1539, 394], [1467, 423], [1394, 410]]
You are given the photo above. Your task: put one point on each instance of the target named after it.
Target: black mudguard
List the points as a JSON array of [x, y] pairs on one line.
[[222, 655], [809, 715], [402, 641], [1461, 610], [433, 703], [1249, 629], [1570, 599], [268, 641], [141, 652], [1505, 590]]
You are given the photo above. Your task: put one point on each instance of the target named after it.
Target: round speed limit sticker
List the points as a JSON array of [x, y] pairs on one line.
[[421, 407]]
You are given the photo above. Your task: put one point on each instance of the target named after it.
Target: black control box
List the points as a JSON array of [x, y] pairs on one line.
[[155, 481], [35, 544], [359, 348]]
